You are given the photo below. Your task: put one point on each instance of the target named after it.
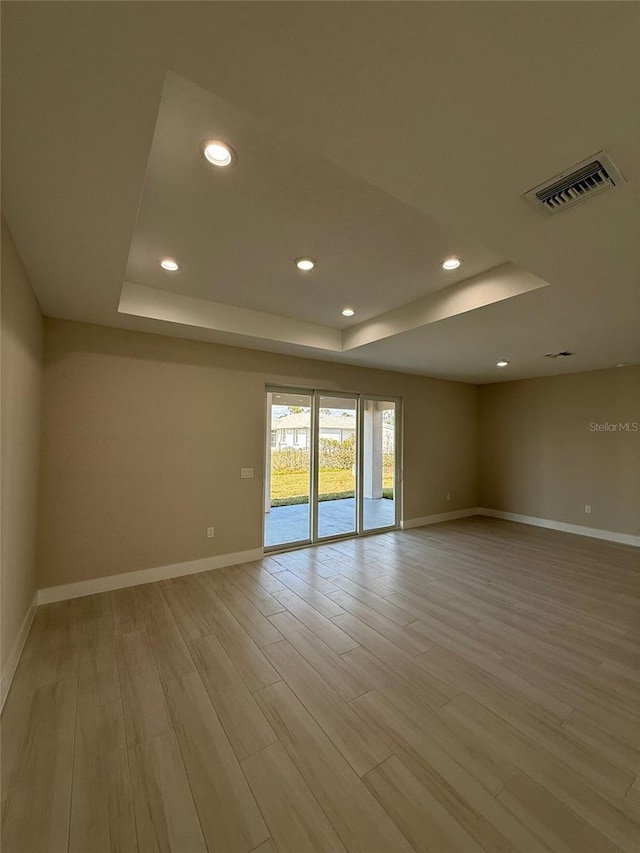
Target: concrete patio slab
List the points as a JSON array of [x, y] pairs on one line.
[[285, 524]]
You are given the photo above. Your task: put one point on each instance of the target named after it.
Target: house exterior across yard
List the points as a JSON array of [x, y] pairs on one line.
[[293, 430]]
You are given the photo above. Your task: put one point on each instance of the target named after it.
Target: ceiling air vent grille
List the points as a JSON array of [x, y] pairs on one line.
[[589, 178], [563, 354]]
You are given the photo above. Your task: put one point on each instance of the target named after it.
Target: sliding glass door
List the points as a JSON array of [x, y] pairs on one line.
[[378, 463], [288, 470], [331, 466], [337, 462]]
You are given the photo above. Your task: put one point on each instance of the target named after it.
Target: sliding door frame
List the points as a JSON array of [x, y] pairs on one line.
[[397, 463], [317, 396], [314, 438], [302, 392]]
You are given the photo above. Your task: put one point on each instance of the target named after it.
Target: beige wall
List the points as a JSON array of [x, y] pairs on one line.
[[540, 457], [21, 394], [144, 437]]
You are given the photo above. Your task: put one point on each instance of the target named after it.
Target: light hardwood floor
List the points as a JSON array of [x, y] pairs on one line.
[[471, 686]]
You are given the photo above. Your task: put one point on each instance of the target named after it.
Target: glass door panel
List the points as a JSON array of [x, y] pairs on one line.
[[337, 463], [288, 469], [378, 463]]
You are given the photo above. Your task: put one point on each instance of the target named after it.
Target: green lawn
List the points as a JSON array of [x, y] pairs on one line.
[[292, 484]]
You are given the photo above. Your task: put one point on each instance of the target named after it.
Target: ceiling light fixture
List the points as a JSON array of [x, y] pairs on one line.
[[348, 312], [169, 264], [305, 264], [502, 363], [218, 153], [451, 264]]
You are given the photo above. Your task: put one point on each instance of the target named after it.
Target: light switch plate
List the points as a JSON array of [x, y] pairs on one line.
[[246, 473]]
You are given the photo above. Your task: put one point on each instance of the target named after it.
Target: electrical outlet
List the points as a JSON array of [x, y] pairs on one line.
[[211, 531], [246, 473], [587, 508], [448, 496]]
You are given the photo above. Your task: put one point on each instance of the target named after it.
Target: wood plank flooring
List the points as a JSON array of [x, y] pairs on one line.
[[465, 687]]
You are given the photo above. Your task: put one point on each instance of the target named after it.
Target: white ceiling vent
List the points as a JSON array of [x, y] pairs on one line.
[[581, 182]]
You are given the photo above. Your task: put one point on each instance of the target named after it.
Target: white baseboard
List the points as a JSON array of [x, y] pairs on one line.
[[16, 650], [579, 529], [158, 573], [436, 519]]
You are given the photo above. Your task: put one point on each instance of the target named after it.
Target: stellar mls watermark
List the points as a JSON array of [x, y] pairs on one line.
[[627, 426]]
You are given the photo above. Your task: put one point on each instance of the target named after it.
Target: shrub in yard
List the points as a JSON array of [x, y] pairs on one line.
[[290, 459], [333, 455], [336, 455]]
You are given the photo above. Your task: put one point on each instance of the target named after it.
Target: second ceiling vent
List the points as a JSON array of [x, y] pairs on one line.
[[589, 178]]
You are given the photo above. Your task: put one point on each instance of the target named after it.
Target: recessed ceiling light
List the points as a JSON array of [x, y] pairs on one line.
[[305, 264], [169, 264], [451, 263], [218, 153], [502, 363], [348, 312]]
